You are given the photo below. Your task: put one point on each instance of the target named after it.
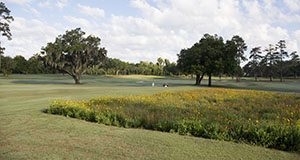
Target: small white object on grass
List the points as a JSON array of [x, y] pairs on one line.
[[153, 84]]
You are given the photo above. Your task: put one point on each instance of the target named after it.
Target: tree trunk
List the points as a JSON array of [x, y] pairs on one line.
[[281, 68], [237, 78], [76, 79], [271, 78], [209, 80], [201, 78], [197, 79], [255, 75]]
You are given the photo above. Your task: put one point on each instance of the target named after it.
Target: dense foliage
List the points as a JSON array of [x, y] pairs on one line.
[[110, 66], [19, 65], [204, 57], [113, 66], [211, 56], [261, 118], [73, 53]]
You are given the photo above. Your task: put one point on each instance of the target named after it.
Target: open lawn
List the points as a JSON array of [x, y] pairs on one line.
[[26, 132]]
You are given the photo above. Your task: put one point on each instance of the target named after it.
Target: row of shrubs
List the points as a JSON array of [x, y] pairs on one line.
[[123, 112]]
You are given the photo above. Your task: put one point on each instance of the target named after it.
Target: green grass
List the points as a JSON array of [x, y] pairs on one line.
[[26, 132]]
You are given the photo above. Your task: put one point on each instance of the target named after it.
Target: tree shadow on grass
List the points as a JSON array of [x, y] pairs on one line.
[[253, 87], [45, 111], [160, 84], [40, 82]]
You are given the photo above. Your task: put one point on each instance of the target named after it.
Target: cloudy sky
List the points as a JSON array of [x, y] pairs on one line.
[[135, 30]]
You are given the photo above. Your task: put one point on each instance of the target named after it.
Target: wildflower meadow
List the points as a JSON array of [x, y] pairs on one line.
[[260, 118]]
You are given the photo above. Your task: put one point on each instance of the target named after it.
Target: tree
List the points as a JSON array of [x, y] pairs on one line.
[[8, 65], [204, 57], [295, 63], [231, 66], [212, 54], [166, 65], [21, 65], [160, 64], [5, 19], [190, 62], [241, 48], [269, 60], [167, 62], [36, 65], [280, 55], [115, 64], [172, 69], [73, 53], [255, 56]]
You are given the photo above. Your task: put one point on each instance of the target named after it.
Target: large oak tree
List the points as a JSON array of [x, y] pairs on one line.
[[73, 53]]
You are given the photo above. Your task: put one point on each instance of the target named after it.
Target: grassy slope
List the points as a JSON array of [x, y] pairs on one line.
[[26, 132]]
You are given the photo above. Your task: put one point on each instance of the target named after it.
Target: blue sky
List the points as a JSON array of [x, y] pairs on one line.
[[143, 30]]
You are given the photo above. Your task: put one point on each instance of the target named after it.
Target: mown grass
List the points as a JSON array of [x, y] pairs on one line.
[[26, 132]]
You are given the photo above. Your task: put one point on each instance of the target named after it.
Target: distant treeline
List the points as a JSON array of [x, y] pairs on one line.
[[110, 66], [113, 66], [19, 65]]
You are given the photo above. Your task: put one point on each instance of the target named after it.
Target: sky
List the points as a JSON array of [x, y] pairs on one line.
[[143, 30]]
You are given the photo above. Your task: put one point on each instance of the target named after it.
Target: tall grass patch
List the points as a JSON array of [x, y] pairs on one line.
[[261, 118]]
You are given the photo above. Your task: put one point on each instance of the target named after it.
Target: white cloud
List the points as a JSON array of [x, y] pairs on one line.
[[28, 37], [296, 42], [20, 2], [61, 4], [293, 5], [297, 34], [34, 12], [134, 39], [78, 21], [44, 4], [168, 26], [31, 10], [292, 46], [87, 10]]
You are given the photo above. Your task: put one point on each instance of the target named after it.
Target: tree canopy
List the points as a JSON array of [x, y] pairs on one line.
[[241, 47], [255, 56], [73, 53], [280, 55], [208, 56], [5, 19]]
